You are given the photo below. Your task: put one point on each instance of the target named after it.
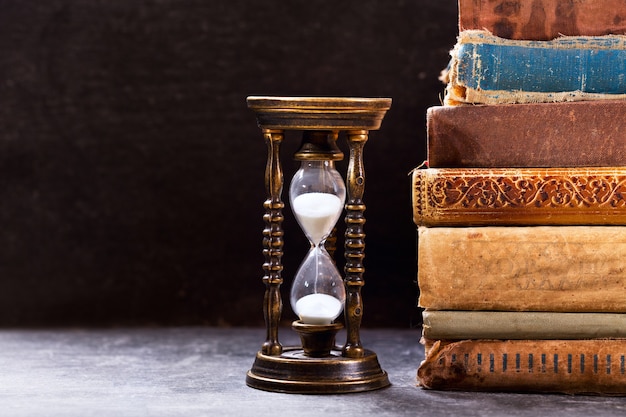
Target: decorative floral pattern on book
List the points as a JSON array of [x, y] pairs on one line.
[[529, 191]]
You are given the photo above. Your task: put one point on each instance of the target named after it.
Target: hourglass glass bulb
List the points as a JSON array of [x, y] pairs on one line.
[[317, 194], [318, 293]]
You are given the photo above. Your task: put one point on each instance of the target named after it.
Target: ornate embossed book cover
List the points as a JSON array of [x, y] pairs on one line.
[[571, 134], [543, 19], [524, 196]]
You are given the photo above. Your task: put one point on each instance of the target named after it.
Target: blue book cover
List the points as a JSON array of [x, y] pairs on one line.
[[486, 69]]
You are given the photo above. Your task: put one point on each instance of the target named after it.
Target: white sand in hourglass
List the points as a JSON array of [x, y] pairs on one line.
[[318, 308], [317, 213]]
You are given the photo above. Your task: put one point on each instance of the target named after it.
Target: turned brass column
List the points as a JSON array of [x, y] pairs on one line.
[[354, 243], [273, 241]]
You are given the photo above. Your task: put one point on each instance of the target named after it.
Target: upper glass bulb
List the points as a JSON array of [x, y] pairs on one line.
[[317, 195]]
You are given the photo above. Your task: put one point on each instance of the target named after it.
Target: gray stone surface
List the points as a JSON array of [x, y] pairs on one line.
[[199, 371]]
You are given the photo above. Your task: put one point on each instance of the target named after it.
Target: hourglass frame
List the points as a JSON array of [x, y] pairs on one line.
[[317, 366]]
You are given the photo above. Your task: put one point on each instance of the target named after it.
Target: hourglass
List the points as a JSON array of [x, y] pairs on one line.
[[319, 293]]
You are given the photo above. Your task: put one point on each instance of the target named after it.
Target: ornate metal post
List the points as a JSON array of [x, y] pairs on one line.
[[273, 242], [355, 244]]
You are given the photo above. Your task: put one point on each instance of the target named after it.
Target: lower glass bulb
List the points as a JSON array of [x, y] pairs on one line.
[[318, 293], [318, 308]]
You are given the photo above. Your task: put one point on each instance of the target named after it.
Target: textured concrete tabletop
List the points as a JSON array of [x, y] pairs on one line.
[[201, 372]]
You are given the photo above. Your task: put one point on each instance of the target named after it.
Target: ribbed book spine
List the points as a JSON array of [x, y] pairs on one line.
[[565, 366]]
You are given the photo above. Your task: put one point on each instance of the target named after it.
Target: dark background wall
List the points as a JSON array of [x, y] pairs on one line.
[[131, 171]]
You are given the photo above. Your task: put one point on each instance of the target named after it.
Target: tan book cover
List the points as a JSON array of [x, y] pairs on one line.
[[541, 268], [519, 196], [593, 366]]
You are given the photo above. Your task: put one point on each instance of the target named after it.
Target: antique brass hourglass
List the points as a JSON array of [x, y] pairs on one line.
[[319, 294]]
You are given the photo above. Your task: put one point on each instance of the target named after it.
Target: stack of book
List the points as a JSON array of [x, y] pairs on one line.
[[521, 209]]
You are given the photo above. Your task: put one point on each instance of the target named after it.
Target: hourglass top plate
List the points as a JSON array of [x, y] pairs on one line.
[[319, 113]]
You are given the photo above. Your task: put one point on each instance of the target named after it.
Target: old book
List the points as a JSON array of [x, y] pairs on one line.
[[543, 19], [541, 268], [486, 69], [568, 134], [592, 366], [459, 325], [519, 196]]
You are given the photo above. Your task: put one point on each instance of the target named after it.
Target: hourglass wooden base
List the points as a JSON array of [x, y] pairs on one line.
[[346, 369], [294, 372]]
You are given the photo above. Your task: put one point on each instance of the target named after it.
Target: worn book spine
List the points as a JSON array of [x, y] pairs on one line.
[[569, 134], [593, 366], [543, 19], [519, 196], [541, 268], [490, 70], [459, 325]]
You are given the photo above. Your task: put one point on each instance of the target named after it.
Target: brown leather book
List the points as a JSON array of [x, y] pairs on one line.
[[543, 19], [592, 366], [570, 134], [541, 268], [519, 196]]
